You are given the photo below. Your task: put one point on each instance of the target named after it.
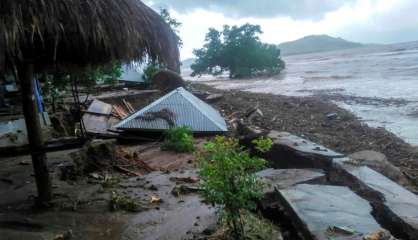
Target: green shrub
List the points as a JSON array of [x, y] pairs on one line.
[[228, 179], [150, 71], [263, 144], [179, 139]]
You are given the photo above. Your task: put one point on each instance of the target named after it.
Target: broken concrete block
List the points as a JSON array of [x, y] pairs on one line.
[[320, 210], [290, 151], [284, 178], [378, 162], [393, 205]]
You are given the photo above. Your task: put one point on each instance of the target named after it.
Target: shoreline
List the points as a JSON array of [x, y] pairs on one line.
[[307, 117]]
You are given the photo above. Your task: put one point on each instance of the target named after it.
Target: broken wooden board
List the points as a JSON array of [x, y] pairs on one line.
[[99, 107], [99, 124], [325, 212]]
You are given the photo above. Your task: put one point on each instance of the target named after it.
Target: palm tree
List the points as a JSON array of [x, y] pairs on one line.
[[36, 35]]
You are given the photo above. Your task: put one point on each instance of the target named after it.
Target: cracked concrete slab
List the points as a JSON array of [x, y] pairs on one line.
[[321, 211], [394, 205], [290, 151]]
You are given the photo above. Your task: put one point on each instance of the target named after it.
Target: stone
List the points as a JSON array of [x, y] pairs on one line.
[[393, 204], [378, 162], [318, 209], [94, 156]]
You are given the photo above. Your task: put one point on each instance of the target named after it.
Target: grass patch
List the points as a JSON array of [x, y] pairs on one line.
[[122, 202], [110, 181], [255, 227]]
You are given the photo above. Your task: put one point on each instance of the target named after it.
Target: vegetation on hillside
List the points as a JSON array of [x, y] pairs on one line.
[[239, 51], [316, 43]]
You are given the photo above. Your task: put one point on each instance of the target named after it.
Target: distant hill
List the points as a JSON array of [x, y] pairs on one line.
[[316, 43]]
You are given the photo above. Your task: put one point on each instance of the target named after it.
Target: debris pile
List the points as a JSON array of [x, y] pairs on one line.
[[130, 163]]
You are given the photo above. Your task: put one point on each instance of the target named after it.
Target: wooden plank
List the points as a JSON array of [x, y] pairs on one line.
[[99, 107]]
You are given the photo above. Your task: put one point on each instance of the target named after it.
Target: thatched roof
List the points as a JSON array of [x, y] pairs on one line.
[[81, 32]]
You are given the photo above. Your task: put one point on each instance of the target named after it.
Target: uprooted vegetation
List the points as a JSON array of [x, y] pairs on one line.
[[123, 202]]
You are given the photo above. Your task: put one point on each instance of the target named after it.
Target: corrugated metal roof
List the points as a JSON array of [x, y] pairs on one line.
[[186, 110]]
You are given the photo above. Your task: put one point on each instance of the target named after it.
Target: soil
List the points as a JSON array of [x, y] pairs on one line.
[[307, 117], [166, 200]]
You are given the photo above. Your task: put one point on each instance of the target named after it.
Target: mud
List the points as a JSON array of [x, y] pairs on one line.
[[307, 117], [81, 207]]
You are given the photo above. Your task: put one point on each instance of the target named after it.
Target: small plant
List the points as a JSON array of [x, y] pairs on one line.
[[228, 179], [179, 139], [122, 202], [110, 182], [255, 226], [263, 144]]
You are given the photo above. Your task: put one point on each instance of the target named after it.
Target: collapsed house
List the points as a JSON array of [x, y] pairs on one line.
[[177, 108]]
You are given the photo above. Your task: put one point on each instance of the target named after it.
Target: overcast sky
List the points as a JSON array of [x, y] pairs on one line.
[[367, 21]]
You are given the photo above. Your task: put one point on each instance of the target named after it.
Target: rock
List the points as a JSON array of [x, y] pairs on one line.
[[94, 156], [166, 81], [332, 116], [188, 179], [66, 236], [250, 132], [315, 209], [379, 235], [253, 113], [184, 189], [378, 162]]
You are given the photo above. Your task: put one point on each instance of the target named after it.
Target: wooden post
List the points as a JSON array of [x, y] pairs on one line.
[[30, 111]]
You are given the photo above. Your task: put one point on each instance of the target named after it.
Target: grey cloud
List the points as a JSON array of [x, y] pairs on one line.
[[296, 9]]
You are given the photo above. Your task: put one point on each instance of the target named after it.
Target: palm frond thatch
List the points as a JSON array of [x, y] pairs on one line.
[[81, 32]]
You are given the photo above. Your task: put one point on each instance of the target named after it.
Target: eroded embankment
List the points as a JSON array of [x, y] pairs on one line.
[[307, 117]]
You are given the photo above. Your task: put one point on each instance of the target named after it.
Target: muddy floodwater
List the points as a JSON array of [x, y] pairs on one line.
[[379, 84]]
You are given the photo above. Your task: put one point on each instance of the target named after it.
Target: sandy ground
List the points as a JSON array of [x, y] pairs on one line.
[[307, 117]]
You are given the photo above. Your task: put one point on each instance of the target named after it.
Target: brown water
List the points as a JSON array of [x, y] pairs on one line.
[[379, 84]]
